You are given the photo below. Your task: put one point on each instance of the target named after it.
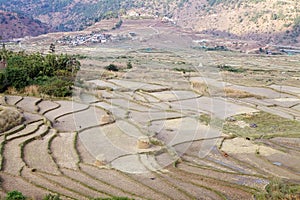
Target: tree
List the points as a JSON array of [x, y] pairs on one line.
[[16, 77], [52, 48]]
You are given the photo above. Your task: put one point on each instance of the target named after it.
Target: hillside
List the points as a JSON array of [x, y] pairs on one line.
[[65, 15], [13, 25], [272, 21]]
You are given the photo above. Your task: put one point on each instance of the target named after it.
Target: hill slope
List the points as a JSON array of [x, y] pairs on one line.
[[274, 21], [13, 25]]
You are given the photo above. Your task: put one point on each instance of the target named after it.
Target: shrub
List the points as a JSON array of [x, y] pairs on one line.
[[129, 65], [16, 77], [230, 69], [15, 195], [56, 87], [52, 197], [277, 189], [112, 67], [3, 81]]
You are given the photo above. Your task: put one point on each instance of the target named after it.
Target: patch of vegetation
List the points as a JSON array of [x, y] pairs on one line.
[[263, 125], [205, 119], [52, 197], [214, 122], [277, 190], [113, 198], [129, 65], [56, 87], [230, 69], [183, 70], [53, 74], [80, 56], [297, 21], [118, 25], [216, 48], [112, 67], [15, 195], [234, 93]]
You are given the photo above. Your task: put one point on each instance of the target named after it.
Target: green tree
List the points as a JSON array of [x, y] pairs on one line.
[[52, 48], [3, 82], [16, 77]]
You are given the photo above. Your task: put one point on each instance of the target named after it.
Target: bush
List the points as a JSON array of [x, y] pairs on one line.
[[129, 65], [230, 69], [112, 67], [277, 190], [52, 197], [15, 195], [56, 87], [3, 81], [16, 77]]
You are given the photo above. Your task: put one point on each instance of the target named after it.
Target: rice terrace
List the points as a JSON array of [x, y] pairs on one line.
[[149, 111]]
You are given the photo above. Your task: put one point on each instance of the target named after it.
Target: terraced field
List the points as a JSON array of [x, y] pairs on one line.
[[175, 126], [145, 141]]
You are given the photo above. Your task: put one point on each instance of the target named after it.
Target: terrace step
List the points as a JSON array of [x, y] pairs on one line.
[[63, 152], [36, 155], [13, 161], [29, 104], [13, 100]]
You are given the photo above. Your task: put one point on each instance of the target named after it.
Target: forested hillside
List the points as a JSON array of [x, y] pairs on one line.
[[271, 20], [16, 25]]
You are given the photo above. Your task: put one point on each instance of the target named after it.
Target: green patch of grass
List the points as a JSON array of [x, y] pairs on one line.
[[80, 56], [209, 120], [266, 125], [231, 69], [277, 190], [205, 119]]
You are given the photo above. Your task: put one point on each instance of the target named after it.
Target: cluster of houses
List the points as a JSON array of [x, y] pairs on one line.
[[84, 39]]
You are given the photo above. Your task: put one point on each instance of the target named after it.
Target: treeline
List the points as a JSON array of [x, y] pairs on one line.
[[50, 74]]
